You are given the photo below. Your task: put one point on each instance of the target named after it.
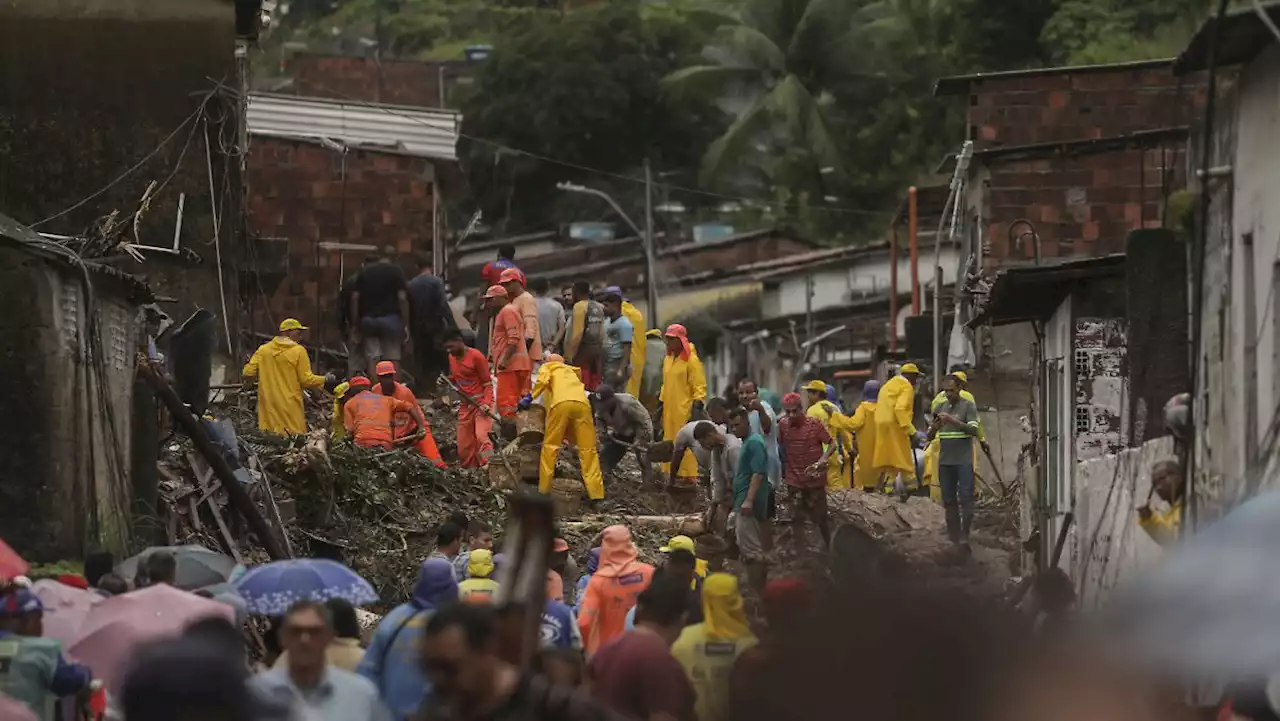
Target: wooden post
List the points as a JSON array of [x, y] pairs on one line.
[[238, 497], [913, 238]]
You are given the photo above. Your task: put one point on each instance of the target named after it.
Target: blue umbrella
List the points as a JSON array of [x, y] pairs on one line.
[[270, 589]]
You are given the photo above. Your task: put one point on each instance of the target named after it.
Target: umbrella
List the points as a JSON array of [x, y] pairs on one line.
[[270, 589], [65, 608], [117, 625], [197, 565], [11, 564]]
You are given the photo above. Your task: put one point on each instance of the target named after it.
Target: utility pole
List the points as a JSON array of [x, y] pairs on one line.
[[957, 192], [651, 282]]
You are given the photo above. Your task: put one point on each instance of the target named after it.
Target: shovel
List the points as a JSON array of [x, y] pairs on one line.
[[502, 423]]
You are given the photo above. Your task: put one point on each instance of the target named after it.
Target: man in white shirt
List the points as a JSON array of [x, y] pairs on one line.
[[724, 448]]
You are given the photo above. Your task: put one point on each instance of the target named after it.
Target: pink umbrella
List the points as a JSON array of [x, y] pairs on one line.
[[65, 608], [116, 626]]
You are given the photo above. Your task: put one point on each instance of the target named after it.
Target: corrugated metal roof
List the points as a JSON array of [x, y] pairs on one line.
[[417, 131]]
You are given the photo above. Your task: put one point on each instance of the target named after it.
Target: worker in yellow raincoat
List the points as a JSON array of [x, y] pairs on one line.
[[337, 429], [283, 370], [568, 414], [895, 432], [633, 314], [863, 427], [1167, 483], [709, 650], [684, 391], [839, 463], [934, 448]]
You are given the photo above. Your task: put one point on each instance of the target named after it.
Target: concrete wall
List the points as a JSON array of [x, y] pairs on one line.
[[395, 82], [834, 286], [1108, 547], [67, 484]]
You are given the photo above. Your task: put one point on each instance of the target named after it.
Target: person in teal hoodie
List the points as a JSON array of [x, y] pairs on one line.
[[392, 660]]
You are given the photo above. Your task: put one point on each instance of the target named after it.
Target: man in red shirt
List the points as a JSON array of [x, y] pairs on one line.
[[404, 424], [507, 350], [635, 674], [805, 446], [469, 370]]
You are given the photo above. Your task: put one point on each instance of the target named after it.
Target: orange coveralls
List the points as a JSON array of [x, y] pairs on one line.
[[404, 424], [471, 374], [513, 381], [370, 418]]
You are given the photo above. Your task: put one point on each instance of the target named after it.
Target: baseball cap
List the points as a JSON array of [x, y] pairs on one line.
[[495, 291], [678, 543], [291, 324], [511, 275], [385, 368], [359, 382], [19, 602]]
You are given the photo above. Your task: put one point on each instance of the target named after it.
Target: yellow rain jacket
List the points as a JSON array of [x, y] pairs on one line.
[[568, 416], [338, 429], [683, 382], [708, 650], [283, 370], [863, 427], [840, 464], [1163, 527], [634, 315], [932, 451], [894, 428], [479, 588]]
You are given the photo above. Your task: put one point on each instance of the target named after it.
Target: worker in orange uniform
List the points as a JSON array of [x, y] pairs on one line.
[[404, 424], [370, 417], [469, 371], [612, 590], [568, 413], [507, 350], [513, 281]]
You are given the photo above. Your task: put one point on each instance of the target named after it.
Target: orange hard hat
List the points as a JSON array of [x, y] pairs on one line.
[[385, 368]]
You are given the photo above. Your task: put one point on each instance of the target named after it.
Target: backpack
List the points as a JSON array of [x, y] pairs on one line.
[[593, 326]]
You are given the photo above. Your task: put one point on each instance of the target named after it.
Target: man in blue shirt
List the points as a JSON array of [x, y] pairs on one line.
[[618, 332], [750, 515], [32, 668]]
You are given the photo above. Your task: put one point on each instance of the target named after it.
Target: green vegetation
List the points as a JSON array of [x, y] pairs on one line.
[[814, 113]]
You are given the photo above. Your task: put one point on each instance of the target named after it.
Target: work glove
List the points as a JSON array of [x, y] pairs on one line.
[[330, 382], [525, 401], [698, 410], [921, 439]]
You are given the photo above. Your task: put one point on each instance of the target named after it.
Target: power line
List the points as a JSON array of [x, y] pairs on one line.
[[606, 173]]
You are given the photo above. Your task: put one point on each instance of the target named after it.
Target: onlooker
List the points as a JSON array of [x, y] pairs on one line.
[[725, 448], [189, 678], [806, 447], [392, 660], [551, 320], [593, 564], [479, 535], [566, 298], [560, 627], [344, 649], [429, 317], [112, 584], [97, 565], [618, 332], [327, 692], [629, 428], [566, 568], [448, 542], [561, 666], [492, 271], [682, 565], [472, 682], [636, 674], [763, 421], [380, 305], [347, 325], [35, 671], [585, 336], [162, 567], [750, 499]]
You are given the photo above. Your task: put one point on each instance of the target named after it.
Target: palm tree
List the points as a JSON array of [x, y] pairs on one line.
[[772, 68]]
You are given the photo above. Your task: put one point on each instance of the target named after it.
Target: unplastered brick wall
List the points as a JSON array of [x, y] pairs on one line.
[[1082, 205], [393, 82], [1030, 109], [297, 191]]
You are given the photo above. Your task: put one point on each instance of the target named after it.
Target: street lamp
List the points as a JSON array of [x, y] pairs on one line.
[[651, 291]]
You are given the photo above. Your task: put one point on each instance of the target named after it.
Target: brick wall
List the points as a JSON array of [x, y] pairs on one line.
[[395, 82], [1031, 109], [296, 191], [1082, 205]]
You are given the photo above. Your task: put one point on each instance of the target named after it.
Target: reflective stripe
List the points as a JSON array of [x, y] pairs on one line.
[[954, 434]]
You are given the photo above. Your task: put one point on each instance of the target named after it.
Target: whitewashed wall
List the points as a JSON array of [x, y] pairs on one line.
[[1108, 546], [839, 285]]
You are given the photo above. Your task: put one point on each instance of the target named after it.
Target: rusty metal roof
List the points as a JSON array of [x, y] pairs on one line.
[[423, 132]]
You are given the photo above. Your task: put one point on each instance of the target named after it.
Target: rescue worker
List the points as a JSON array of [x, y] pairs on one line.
[[283, 370], [709, 650], [1167, 483], [512, 280], [840, 463], [479, 587], [33, 670], [370, 417], [612, 590], [469, 371], [931, 452], [624, 419], [655, 353], [404, 424], [638, 349], [863, 425], [684, 391], [337, 431], [508, 350], [568, 414], [955, 425], [895, 431]]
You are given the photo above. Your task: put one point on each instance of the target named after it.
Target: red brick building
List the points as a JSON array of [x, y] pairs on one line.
[[422, 83], [1082, 154]]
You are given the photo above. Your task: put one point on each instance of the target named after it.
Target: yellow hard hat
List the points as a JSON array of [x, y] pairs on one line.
[[909, 368], [961, 376], [678, 543], [816, 385], [291, 324]]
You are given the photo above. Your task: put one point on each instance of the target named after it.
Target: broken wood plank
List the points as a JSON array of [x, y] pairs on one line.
[[196, 523], [264, 483], [203, 472]]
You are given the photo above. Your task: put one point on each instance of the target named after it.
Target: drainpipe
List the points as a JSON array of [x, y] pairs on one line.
[[913, 228], [893, 289]]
